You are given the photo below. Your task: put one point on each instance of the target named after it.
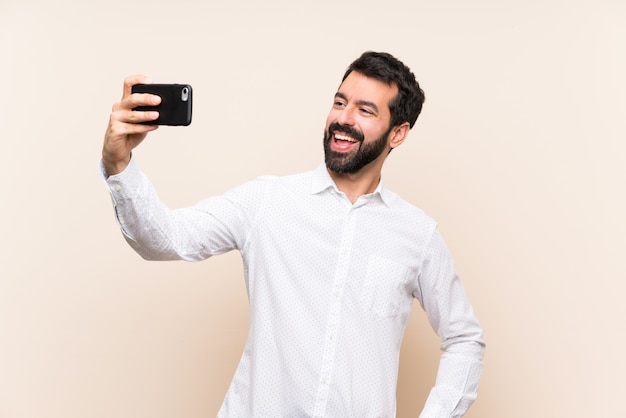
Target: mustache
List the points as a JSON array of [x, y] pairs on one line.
[[348, 130]]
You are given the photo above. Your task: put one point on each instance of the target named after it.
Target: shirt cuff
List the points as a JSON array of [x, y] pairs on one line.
[[125, 184]]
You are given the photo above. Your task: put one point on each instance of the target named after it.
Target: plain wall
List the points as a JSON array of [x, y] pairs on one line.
[[519, 154]]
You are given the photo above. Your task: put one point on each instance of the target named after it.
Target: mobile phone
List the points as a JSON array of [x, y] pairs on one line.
[[176, 103]]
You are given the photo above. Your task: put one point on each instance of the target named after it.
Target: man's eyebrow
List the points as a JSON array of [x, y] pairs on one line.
[[340, 95], [367, 103]]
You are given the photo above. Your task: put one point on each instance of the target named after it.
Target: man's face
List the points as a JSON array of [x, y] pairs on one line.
[[358, 125]]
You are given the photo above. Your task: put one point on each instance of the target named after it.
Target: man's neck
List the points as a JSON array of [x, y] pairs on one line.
[[355, 185]]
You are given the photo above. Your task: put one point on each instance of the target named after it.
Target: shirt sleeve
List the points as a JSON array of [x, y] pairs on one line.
[[451, 315], [156, 232]]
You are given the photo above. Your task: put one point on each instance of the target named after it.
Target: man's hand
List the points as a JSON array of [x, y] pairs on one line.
[[124, 132]]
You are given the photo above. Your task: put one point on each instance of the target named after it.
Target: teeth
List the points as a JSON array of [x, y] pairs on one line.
[[345, 138]]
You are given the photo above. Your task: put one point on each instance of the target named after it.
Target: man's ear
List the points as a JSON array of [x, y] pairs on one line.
[[399, 134]]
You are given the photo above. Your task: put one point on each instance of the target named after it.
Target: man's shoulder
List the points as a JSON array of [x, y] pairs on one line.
[[412, 217], [397, 202]]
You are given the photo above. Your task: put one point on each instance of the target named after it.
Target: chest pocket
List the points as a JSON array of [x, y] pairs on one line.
[[385, 286]]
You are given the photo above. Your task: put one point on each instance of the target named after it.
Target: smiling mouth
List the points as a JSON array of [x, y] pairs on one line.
[[343, 137], [343, 142]]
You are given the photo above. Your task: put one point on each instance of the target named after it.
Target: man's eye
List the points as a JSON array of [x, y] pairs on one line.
[[339, 104], [367, 111]]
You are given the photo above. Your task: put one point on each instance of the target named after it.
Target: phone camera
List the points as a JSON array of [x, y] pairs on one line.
[[184, 95]]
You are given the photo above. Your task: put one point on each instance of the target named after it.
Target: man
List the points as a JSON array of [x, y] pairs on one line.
[[332, 259]]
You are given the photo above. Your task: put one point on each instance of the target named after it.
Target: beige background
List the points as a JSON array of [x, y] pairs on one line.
[[519, 154]]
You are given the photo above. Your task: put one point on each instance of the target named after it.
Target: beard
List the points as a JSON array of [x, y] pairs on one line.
[[352, 161]]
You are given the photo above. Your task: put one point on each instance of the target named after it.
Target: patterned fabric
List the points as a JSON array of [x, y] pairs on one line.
[[330, 285]]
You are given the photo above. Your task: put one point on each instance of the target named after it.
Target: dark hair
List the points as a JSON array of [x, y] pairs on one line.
[[407, 104]]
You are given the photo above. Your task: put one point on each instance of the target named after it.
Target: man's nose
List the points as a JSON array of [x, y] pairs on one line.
[[346, 117]]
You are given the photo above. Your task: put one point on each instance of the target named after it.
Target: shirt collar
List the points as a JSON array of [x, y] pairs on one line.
[[322, 181]]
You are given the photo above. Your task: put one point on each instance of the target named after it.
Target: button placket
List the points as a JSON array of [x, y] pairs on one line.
[[332, 325]]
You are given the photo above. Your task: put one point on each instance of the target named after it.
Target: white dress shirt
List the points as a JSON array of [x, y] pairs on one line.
[[330, 286]]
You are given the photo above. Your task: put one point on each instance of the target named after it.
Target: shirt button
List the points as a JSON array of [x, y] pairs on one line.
[[117, 187], [325, 380]]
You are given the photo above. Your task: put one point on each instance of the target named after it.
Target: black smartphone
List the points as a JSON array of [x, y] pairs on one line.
[[176, 103]]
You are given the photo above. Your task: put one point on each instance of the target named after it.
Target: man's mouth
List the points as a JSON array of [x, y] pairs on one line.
[[343, 142], [343, 137]]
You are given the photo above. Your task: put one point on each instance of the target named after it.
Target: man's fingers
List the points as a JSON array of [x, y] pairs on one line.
[[141, 99], [124, 111], [138, 116], [117, 136], [130, 81], [136, 100], [129, 116]]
